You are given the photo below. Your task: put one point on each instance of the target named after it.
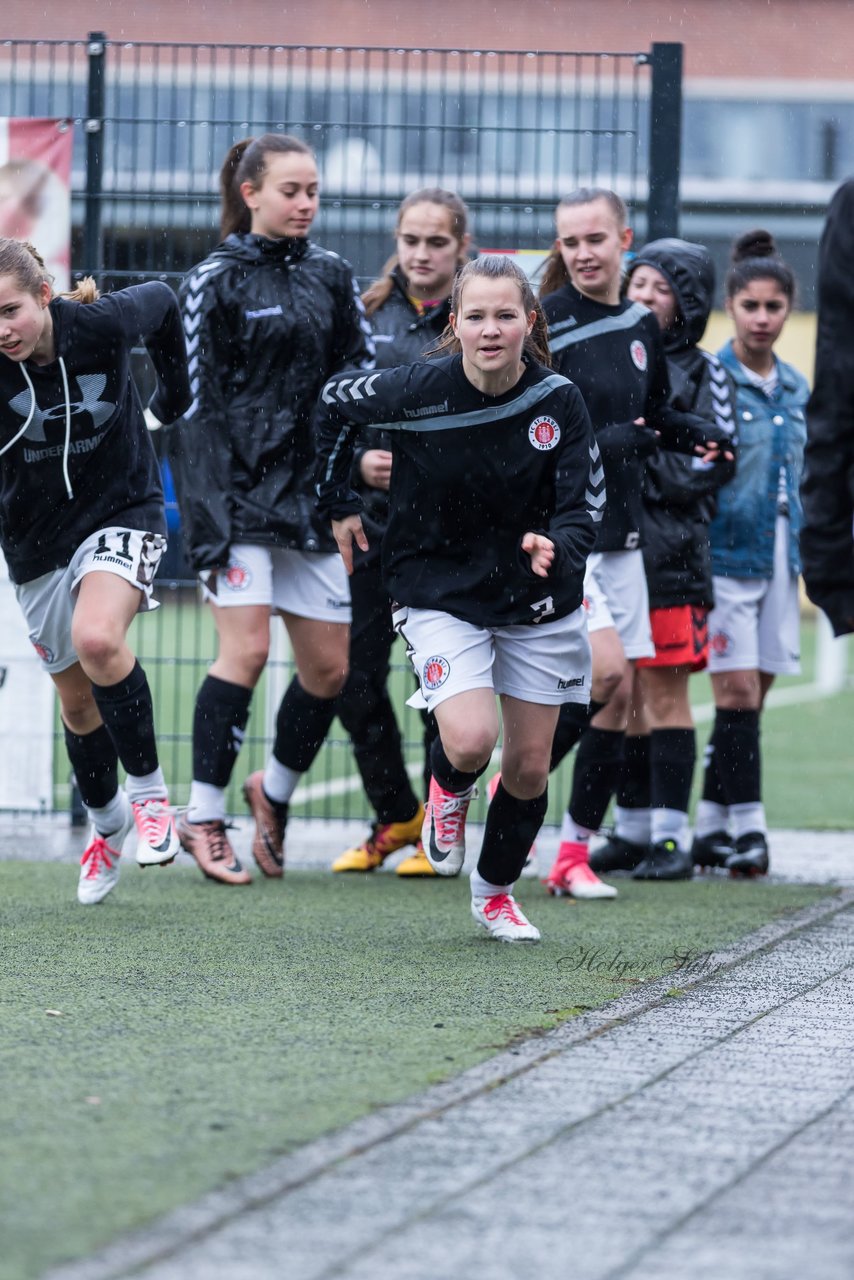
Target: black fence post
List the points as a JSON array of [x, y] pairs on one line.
[[92, 247], [665, 141]]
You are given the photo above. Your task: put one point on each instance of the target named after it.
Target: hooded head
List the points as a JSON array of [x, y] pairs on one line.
[[690, 272]]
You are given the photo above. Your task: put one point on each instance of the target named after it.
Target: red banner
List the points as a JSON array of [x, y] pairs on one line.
[[35, 189]]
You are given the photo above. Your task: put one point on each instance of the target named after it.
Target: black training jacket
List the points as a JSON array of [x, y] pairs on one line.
[[615, 356], [679, 492], [85, 460], [827, 487], [266, 323], [471, 475]]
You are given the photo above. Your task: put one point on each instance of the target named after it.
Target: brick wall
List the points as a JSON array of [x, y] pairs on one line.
[[762, 39]]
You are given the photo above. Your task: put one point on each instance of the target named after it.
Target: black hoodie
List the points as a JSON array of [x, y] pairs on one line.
[[75, 453], [266, 323], [678, 494], [827, 489]]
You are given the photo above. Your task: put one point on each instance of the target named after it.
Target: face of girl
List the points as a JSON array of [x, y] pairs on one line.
[[492, 325], [759, 312], [650, 287], [428, 250], [286, 202], [25, 324], [592, 242]]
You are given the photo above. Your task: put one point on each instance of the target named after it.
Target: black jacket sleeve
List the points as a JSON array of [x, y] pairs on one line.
[[680, 431], [827, 490], [150, 312], [579, 492], [708, 392], [200, 448], [339, 420]]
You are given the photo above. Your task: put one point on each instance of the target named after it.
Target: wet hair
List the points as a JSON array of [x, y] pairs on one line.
[[498, 266], [378, 292], [247, 162], [755, 257], [22, 260], [554, 274]]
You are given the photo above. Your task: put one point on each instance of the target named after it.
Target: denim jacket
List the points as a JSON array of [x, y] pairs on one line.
[[771, 434]]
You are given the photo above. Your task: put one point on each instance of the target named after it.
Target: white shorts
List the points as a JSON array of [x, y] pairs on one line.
[[756, 622], [47, 603], [547, 664], [305, 583], [615, 595]]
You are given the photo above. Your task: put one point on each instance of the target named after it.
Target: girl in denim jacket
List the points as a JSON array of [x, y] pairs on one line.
[[754, 626]]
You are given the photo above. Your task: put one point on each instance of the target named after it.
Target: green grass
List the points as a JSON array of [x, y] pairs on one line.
[[808, 751], [197, 1034]]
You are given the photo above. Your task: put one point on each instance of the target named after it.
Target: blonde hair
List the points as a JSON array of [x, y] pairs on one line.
[[379, 292], [499, 266], [22, 260], [554, 272]]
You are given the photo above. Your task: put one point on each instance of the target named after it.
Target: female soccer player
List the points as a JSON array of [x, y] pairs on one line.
[[496, 498], [612, 350], [268, 317], [82, 529], [676, 281], [408, 308], [754, 627]]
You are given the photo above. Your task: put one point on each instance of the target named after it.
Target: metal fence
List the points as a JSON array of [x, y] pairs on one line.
[[510, 131]]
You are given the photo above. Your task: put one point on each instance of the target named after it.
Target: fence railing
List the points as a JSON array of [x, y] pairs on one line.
[[510, 131]]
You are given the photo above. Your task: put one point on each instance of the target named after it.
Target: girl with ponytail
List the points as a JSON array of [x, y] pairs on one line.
[[754, 628], [268, 317]]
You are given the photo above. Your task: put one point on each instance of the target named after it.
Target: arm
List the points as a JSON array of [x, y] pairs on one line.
[[348, 403], [680, 431], [827, 490], [680, 481], [200, 447], [353, 343], [579, 498]]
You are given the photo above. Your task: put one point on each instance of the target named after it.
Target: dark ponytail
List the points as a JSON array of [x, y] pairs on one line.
[[755, 257], [247, 162]]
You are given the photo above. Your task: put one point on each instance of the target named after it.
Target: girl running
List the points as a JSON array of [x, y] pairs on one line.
[[754, 627], [612, 350], [268, 317], [676, 281], [408, 308], [82, 529], [497, 494]]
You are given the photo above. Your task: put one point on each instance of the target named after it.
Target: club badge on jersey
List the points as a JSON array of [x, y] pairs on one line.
[[544, 433], [638, 353]]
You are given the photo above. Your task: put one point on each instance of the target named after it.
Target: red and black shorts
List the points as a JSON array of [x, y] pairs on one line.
[[680, 636]]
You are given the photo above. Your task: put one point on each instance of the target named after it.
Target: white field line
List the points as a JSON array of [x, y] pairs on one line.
[[703, 714]]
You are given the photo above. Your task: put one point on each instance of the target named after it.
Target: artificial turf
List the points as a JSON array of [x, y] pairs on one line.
[[181, 1034]]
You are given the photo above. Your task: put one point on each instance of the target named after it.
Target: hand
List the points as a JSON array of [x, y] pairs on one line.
[[375, 466], [713, 451], [542, 553], [346, 532]]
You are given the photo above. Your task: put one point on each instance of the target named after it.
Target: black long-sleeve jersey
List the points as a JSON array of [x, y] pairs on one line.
[[75, 453], [471, 475], [615, 356]]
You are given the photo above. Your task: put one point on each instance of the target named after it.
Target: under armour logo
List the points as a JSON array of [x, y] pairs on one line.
[[90, 386]]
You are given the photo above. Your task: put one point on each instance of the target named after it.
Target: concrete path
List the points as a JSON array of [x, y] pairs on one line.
[[704, 1133]]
